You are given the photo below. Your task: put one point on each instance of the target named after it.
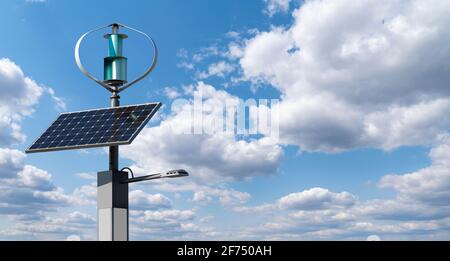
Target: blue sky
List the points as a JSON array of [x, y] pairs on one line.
[[363, 145]]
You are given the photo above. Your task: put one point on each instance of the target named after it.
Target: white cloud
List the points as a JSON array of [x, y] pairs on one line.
[[219, 69], [27, 193], [303, 215], [201, 197], [211, 158], [25, 189], [189, 60], [88, 176], [430, 185], [73, 225], [141, 200], [170, 214], [186, 65], [205, 52], [317, 198], [35, 178], [308, 200], [171, 92], [399, 208], [263, 208], [338, 223], [233, 35], [138, 199], [205, 193], [59, 102], [370, 74], [11, 162], [276, 6], [19, 95], [318, 213], [172, 224], [73, 238], [235, 50], [85, 194]]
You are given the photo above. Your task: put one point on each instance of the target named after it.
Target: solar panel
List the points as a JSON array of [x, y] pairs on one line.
[[95, 128]]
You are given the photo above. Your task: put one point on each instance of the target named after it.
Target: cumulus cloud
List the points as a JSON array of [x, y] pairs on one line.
[[73, 238], [297, 215], [141, 200], [373, 75], [70, 226], [19, 95], [171, 92], [201, 197], [318, 213], [219, 69], [317, 198], [399, 208], [170, 224], [11, 162], [35, 178], [276, 6], [211, 158], [373, 238], [85, 194], [26, 189], [35, 205], [205, 193], [310, 199], [60, 104], [337, 222], [190, 60], [85, 175], [164, 215], [430, 185]]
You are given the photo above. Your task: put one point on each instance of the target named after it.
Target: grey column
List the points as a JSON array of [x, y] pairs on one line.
[[112, 206]]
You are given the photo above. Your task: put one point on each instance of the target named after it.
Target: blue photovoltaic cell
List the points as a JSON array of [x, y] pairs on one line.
[[95, 128]]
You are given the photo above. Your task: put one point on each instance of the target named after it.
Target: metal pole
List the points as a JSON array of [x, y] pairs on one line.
[[112, 193], [114, 150], [115, 102]]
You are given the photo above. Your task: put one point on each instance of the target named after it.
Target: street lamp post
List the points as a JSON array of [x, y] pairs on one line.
[[112, 194], [112, 185], [118, 125]]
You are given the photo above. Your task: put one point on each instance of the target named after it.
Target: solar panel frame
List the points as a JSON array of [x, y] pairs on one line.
[[65, 117]]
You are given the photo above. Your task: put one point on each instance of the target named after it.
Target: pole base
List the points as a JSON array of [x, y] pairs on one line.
[[112, 206]]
